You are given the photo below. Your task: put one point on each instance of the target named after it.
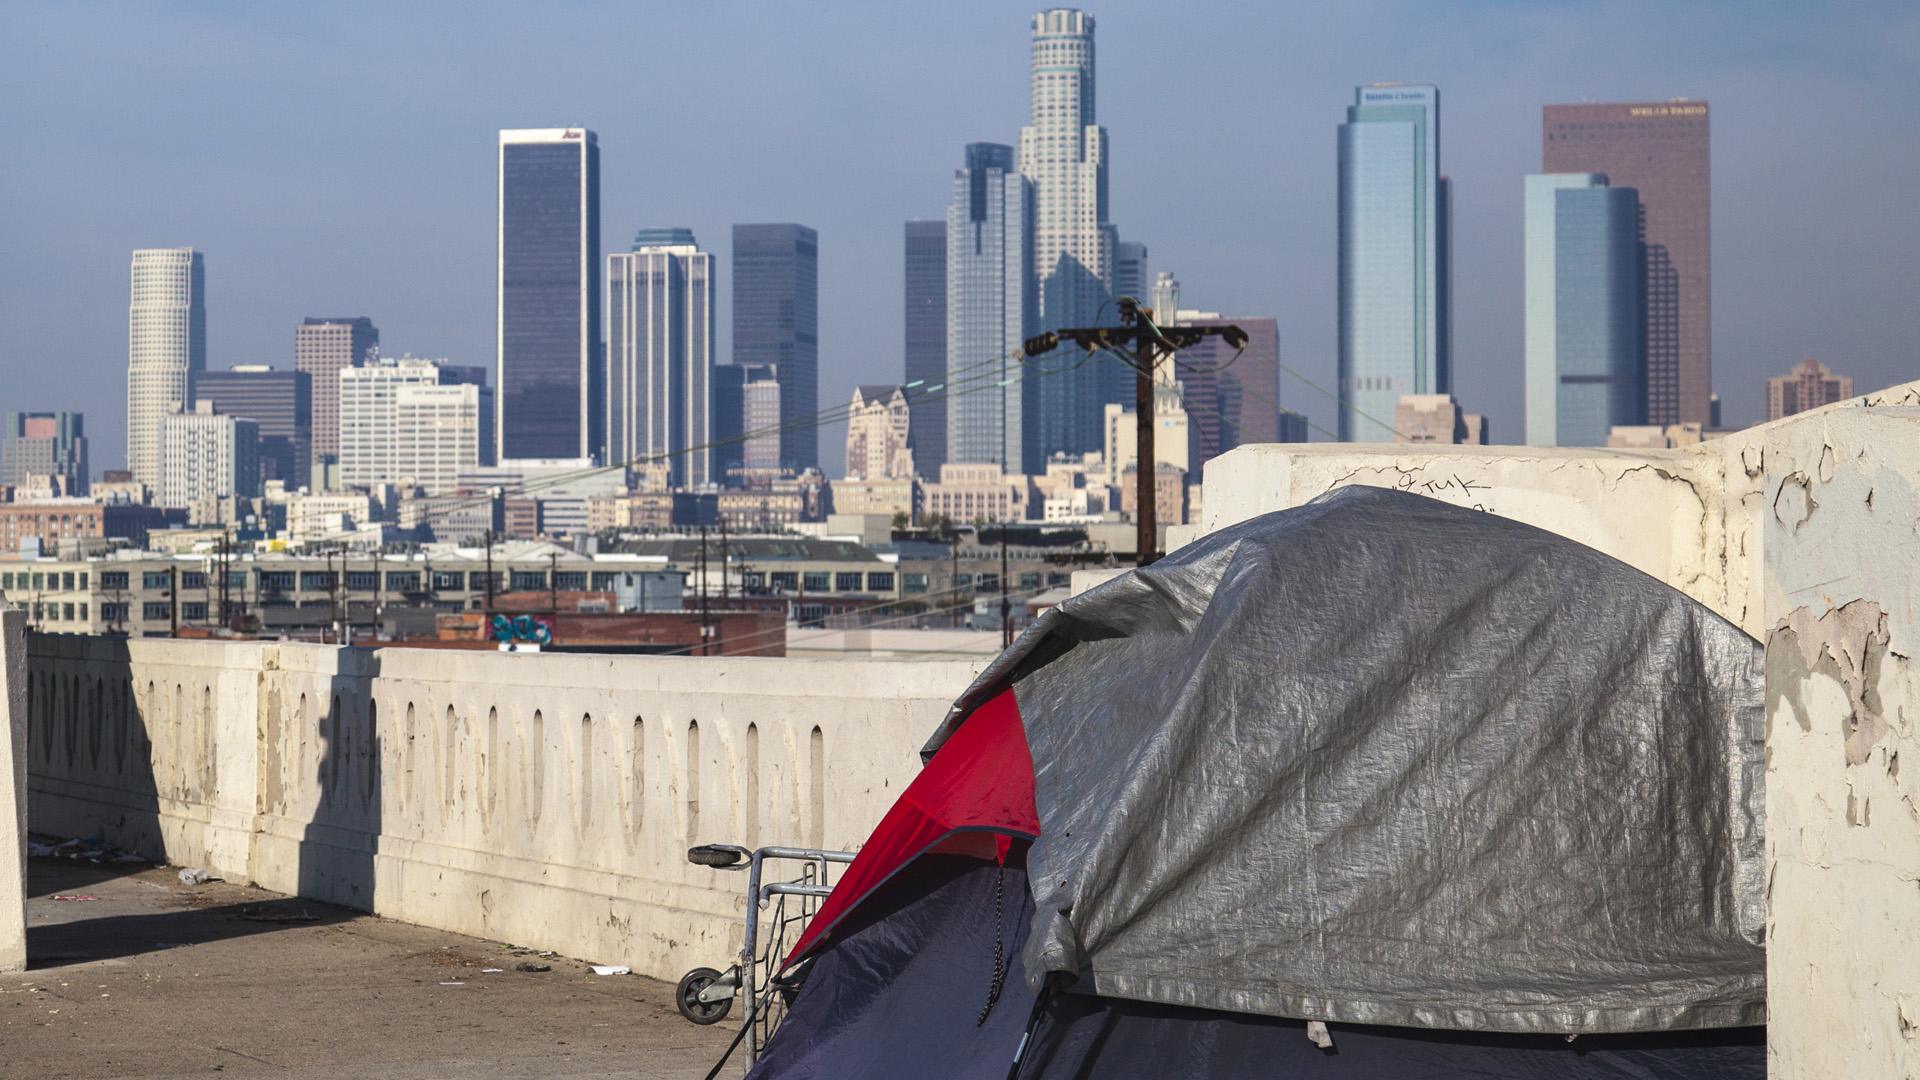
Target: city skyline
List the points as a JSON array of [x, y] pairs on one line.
[[1234, 252]]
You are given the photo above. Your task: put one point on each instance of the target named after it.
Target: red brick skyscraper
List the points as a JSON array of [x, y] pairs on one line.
[[1659, 148]]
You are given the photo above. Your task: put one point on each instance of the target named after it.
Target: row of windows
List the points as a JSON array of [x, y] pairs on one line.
[[65, 580]]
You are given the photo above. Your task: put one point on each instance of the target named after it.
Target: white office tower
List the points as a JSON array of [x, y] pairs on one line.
[[206, 456], [1064, 153], [412, 423], [166, 345], [660, 355]]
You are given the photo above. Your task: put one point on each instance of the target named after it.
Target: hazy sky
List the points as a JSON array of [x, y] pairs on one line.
[[338, 159]]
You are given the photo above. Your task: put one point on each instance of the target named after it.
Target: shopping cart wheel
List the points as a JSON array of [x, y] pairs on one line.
[[687, 996]]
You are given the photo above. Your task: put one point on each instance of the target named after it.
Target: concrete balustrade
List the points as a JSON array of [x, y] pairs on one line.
[[544, 800]]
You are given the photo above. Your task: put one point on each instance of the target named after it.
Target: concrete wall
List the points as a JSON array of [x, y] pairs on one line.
[[1692, 517], [541, 800], [13, 790], [1842, 602]]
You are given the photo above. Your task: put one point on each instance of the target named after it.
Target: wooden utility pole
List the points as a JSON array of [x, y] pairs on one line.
[[703, 590], [1141, 344], [1146, 470], [1006, 602]]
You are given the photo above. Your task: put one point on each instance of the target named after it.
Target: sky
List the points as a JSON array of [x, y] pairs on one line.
[[335, 159]]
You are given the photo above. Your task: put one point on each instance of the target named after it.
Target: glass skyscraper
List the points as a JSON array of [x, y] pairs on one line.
[[281, 404], [166, 348], [550, 374], [991, 295], [926, 343], [1063, 151], [776, 320], [660, 354], [1394, 325], [1130, 275], [1585, 310]]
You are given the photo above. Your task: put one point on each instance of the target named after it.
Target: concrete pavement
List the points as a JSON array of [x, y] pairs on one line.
[[152, 978]]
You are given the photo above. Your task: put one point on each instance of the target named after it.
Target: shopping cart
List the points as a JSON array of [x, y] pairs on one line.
[[782, 908]]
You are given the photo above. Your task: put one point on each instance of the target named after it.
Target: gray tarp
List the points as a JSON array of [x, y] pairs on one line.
[[1380, 759]]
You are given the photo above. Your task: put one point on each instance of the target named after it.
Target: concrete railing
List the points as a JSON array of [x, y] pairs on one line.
[[542, 800]]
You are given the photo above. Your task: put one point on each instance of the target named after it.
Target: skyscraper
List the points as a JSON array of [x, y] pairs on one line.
[[990, 311], [1130, 275], [166, 347], [549, 372], [321, 348], [1585, 317], [1395, 332], [1063, 151], [1809, 385], [926, 342], [879, 423], [1232, 399], [281, 403], [411, 421], [45, 444], [776, 320], [762, 405], [660, 354], [205, 456], [1661, 150]]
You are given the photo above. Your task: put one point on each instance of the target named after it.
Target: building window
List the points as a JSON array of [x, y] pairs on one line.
[[6, 581], [484, 580], [817, 580], [753, 580], [154, 579], [913, 583], [1029, 582], [847, 581], [38, 581], [524, 580], [237, 579], [879, 581], [449, 579], [195, 611], [570, 580], [603, 580], [155, 612], [963, 581], [785, 581], [83, 579], [113, 613], [989, 582], [66, 612], [316, 580], [403, 581], [361, 580], [83, 613], [66, 580], [276, 581], [192, 579]]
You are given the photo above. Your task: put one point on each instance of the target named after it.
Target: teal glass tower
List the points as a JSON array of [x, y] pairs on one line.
[[1394, 289], [1585, 310]]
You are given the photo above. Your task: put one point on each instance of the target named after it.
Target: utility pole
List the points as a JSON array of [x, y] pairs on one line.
[[489, 571], [703, 590], [1140, 343], [376, 594], [723, 564], [1006, 604], [333, 597], [173, 599], [553, 582]]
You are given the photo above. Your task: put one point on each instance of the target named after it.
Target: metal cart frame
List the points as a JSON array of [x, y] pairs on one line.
[[705, 995]]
